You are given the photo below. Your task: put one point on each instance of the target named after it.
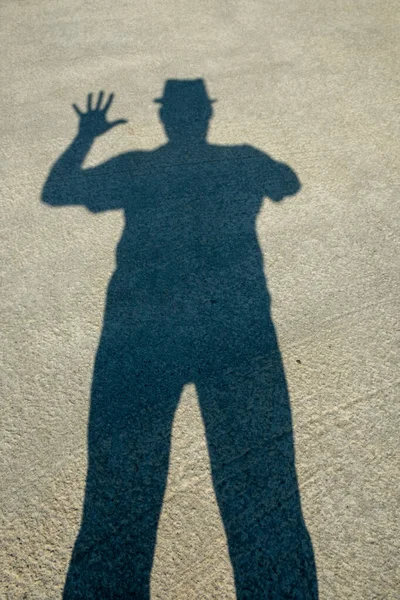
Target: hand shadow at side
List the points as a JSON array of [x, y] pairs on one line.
[[188, 302]]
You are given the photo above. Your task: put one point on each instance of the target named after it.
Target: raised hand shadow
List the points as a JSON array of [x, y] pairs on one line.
[[94, 122]]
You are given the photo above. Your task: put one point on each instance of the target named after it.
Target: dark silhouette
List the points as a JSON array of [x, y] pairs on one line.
[[188, 302]]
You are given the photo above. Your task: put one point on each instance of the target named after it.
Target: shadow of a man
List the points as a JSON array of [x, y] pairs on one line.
[[187, 303]]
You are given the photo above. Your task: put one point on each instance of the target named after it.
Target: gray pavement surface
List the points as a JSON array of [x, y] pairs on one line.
[[310, 85]]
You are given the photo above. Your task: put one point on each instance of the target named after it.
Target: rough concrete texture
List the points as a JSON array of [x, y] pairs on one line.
[[312, 84]]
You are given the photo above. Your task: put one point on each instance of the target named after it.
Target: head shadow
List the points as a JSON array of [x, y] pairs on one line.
[[185, 111]]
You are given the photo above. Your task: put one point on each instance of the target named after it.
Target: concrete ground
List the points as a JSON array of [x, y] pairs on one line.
[[313, 84]]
